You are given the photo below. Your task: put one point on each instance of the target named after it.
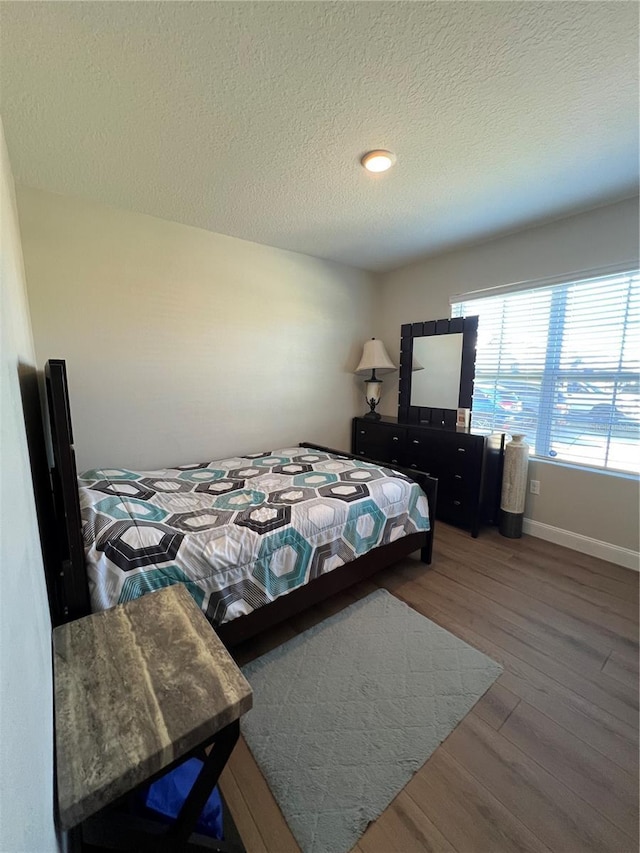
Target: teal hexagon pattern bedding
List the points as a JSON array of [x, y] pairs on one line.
[[239, 532]]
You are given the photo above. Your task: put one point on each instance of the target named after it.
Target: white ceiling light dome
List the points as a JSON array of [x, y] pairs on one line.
[[379, 160]]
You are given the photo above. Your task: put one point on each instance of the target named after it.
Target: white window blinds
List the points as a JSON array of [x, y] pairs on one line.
[[561, 363]]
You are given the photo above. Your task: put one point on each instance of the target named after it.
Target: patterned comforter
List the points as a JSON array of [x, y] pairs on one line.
[[239, 532]]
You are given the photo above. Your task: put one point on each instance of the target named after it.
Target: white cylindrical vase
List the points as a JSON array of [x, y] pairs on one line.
[[514, 487]]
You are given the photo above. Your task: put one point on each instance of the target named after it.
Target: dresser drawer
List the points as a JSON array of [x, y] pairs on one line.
[[444, 453], [463, 486], [456, 509], [462, 467], [420, 453], [448, 444], [460, 451], [378, 441]]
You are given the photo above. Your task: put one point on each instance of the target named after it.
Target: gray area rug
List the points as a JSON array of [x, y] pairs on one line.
[[345, 713]]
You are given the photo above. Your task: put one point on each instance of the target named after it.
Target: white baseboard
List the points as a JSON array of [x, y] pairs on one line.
[[604, 550]]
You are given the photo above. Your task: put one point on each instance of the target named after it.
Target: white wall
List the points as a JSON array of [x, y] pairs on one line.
[[596, 505], [183, 345], [26, 707]]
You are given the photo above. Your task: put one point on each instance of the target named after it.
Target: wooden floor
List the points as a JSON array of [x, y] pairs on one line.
[[548, 758]]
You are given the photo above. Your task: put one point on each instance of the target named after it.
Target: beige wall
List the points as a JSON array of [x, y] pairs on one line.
[[26, 709], [600, 506], [183, 345]]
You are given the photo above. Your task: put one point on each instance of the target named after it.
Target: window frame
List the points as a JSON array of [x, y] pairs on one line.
[[552, 375]]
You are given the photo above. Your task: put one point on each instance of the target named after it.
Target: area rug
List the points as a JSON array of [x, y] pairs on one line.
[[345, 713]]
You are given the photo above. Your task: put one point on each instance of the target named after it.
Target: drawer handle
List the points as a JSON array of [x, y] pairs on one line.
[[462, 450], [362, 453], [414, 466], [395, 461], [456, 503], [395, 438], [416, 441], [457, 476], [363, 432]]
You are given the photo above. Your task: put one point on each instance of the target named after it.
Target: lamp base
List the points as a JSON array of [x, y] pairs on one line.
[[372, 416]]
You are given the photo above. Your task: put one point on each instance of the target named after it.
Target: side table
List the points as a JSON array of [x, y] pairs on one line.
[[139, 689]]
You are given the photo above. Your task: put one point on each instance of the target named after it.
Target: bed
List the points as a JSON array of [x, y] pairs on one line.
[[254, 538]]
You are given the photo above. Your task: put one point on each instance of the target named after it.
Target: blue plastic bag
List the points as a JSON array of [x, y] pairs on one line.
[[167, 795]]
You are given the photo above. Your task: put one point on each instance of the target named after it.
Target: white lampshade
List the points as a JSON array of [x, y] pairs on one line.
[[375, 357]]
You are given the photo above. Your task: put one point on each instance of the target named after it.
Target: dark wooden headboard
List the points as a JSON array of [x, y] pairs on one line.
[[70, 587]]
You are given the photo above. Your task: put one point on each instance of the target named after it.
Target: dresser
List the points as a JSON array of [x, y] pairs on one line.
[[468, 464]]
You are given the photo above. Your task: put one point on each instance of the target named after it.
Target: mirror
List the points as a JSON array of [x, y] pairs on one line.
[[437, 367], [436, 364]]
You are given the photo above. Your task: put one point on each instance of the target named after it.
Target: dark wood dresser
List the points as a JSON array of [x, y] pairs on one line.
[[468, 464]]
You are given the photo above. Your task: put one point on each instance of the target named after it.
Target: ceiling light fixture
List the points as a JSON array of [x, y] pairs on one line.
[[378, 161]]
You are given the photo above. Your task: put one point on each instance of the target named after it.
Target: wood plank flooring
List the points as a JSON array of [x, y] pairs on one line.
[[548, 759]]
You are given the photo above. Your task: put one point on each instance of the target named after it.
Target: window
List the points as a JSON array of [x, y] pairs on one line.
[[561, 363]]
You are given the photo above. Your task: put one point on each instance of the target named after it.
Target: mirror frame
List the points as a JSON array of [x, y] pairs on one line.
[[409, 414]]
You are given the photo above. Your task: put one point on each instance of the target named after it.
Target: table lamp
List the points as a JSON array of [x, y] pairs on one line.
[[374, 357]]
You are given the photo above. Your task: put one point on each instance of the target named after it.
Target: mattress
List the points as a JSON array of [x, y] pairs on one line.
[[239, 532]]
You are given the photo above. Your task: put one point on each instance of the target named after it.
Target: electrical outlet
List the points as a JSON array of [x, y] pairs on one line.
[[535, 487]]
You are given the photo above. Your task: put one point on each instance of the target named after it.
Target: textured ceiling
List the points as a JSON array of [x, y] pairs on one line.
[[249, 118]]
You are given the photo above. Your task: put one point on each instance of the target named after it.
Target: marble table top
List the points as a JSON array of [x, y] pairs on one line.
[[136, 687]]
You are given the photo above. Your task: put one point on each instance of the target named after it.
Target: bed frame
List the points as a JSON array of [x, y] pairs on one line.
[[69, 586]]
